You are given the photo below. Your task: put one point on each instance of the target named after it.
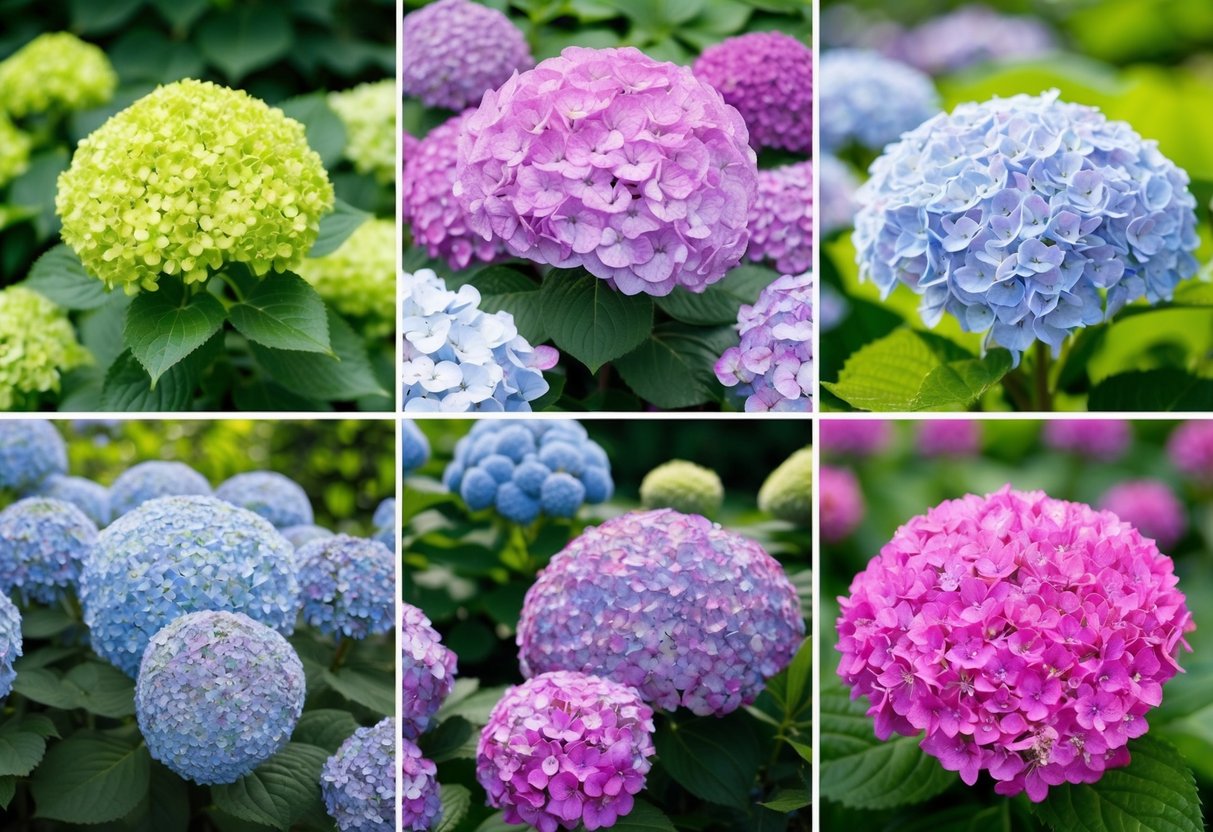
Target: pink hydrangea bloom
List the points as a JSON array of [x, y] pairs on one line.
[[855, 437], [841, 502], [607, 159], [1023, 636], [565, 749], [949, 437], [429, 671], [1151, 506], [1191, 450], [1105, 440], [420, 798], [781, 219]]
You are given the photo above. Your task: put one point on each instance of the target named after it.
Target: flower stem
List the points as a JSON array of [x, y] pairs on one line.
[[1044, 397], [343, 649], [1016, 390]]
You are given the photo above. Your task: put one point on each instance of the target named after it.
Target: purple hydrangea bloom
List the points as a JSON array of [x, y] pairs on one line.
[[949, 437], [870, 100], [781, 218], [30, 451], [358, 783], [415, 448], [688, 613], [297, 536], [429, 672], [92, 498], [1151, 507], [422, 798], [836, 209], [218, 694], [347, 586], [969, 36], [768, 77], [566, 749], [840, 500], [43, 545], [1031, 211], [149, 480], [455, 50], [275, 497], [607, 159], [1027, 637], [855, 437], [1191, 451], [772, 366], [10, 643], [1101, 439]]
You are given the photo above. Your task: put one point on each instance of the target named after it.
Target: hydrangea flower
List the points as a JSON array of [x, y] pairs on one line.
[[1105, 440], [682, 486], [455, 50], [1191, 451], [971, 35], [43, 545], [348, 586], [870, 100], [14, 151], [358, 783], [55, 71], [368, 112], [385, 513], [1151, 507], [177, 555], [944, 633], [948, 437], [415, 448], [10, 643], [527, 468], [217, 695], [234, 181], [787, 492], [630, 168], [772, 366], [855, 437], [1029, 212], [90, 497], [275, 497], [781, 218], [566, 749], [429, 672], [38, 344], [768, 77], [842, 504], [836, 209], [421, 797], [30, 451], [359, 278], [297, 536], [155, 478], [688, 613], [459, 359]]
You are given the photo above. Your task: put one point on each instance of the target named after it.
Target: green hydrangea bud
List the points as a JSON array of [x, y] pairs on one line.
[[188, 178], [14, 150], [369, 114], [682, 486], [55, 71], [359, 278], [37, 343], [788, 490]]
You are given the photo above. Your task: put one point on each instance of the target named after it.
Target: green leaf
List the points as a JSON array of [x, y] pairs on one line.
[[279, 792], [325, 728], [20, 750], [165, 326], [90, 17], [591, 321], [128, 387], [322, 377], [285, 313], [8, 789], [1167, 389], [714, 759], [644, 817], [245, 37], [325, 130], [789, 800], [504, 290], [44, 622], [335, 228], [181, 14], [720, 302], [674, 366], [46, 686], [92, 777], [59, 276], [368, 687], [456, 800], [102, 689], [452, 739], [36, 188]]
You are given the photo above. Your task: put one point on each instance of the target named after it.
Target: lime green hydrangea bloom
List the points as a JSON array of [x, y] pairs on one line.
[[369, 114], [682, 486], [14, 150], [37, 343], [788, 491], [190, 177], [359, 278], [55, 71]]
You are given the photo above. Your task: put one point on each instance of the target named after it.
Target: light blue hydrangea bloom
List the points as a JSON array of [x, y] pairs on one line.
[[43, 545], [30, 451], [299, 535], [347, 585], [92, 498], [10, 643], [217, 695], [176, 555], [275, 497], [385, 514], [869, 100], [149, 480], [415, 448], [359, 781]]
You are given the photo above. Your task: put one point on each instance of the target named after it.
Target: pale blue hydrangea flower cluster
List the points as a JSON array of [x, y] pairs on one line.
[[869, 100], [458, 358], [176, 555], [527, 468], [836, 208], [10, 643], [422, 799], [30, 451], [92, 498], [217, 695], [384, 522], [1018, 215], [297, 536], [359, 781], [43, 546], [429, 672], [415, 448], [275, 497], [347, 586], [149, 480]]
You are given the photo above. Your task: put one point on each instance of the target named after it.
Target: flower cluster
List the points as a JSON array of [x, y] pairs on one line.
[[415, 448], [1151, 507], [855, 437], [90, 497], [10, 643], [38, 345], [458, 359], [869, 100], [176, 555], [686, 612], [1191, 451], [781, 218], [422, 803], [527, 468], [385, 514], [298, 536], [951, 437], [682, 486], [14, 151], [768, 77], [347, 585], [1017, 215], [969, 36], [234, 181], [566, 749], [55, 71], [368, 112], [154, 478], [787, 492], [217, 695], [455, 50], [1100, 439], [275, 497], [43, 545], [359, 278], [772, 366], [1026, 636], [836, 208], [841, 503], [607, 159], [429, 671], [358, 783], [30, 451]]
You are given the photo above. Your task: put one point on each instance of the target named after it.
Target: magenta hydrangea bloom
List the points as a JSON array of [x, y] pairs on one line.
[[429, 671], [565, 749], [1150, 506], [949, 437], [1105, 440], [841, 503], [1191, 451], [781, 219], [420, 796], [1024, 636], [768, 77], [629, 167], [855, 437], [688, 613]]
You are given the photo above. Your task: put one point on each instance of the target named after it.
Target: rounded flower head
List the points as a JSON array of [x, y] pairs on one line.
[[781, 218], [787, 492], [359, 781], [1031, 212], [419, 789], [768, 77], [234, 181], [951, 437], [1100, 439], [177, 555], [297, 536], [10, 643], [566, 749], [368, 112], [682, 486], [459, 359], [217, 695], [842, 504], [1191, 451], [38, 345], [429, 672], [155, 478], [944, 633], [855, 437], [630, 168], [90, 497], [523, 469], [359, 278], [772, 367], [14, 150], [686, 612], [275, 497], [55, 71], [1151, 507], [415, 448], [30, 451], [870, 100], [348, 586], [385, 514], [455, 50], [838, 184], [969, 36], [43, 545]]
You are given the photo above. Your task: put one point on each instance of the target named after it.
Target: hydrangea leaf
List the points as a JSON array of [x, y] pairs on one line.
[[92, 777], [325, 728], [789, 800], [59, 276], [128, 386], [245, 38], [719, 303], [45, 686], [102, 689], [452, 739], [44, 622], [590, 320], [714, 759], [8, 788], [368, 687], [89, 17], [336, 227], [285, 313], [456, 800], [1167, 389], [36, 188], [644, 817], [315, 376], [325, 132], [165, 326], [674, 367], [181, 13], [505, 290], [20, 750], [279, 792]]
